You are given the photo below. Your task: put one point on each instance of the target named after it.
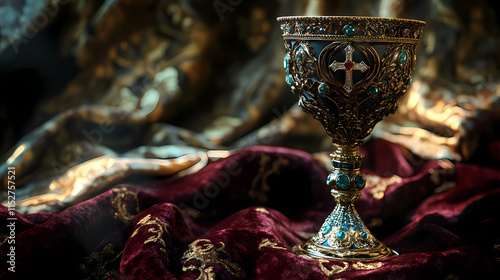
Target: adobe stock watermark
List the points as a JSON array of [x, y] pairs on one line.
[[223, 6], [11, 220], [39, 21]]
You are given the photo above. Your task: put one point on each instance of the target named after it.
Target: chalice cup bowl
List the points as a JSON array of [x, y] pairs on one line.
[[349, 73]]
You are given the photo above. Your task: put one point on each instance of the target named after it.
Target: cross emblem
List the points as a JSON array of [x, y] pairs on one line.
[[348, 66]]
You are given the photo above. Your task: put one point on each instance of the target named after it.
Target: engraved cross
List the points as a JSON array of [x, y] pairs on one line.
[[348, 66]]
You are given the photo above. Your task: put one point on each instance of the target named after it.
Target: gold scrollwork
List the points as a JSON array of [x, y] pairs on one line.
[[97, 264], [334, 269], [265, 243], [207, 254], [159, 228], [367, 266], [260, 191], [122, 213]]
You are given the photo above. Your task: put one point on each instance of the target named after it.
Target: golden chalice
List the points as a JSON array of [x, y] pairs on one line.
[[349, 73]]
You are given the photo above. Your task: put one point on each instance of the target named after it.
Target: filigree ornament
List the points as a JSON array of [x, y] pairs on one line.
[[122, 213], [333, 269], [367, 266], [158, 228], [206, 254], [349, 73], [266, 243], [260, 188]]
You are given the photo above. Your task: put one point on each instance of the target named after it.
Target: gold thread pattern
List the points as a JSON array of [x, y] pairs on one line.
[[206, 254], [120, 207], [367, 266], [96, 264], [159, 228], [334, 269], [266, 243], [260, 191]]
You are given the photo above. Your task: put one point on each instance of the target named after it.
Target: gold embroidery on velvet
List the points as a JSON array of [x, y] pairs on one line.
[[265, 243], [262, 209], [260, 191], [4, 239], [367, 266], [334, 269], [159, 228], [117, 203], [96, 264], [380, 184], [208, 254], [496, 248]]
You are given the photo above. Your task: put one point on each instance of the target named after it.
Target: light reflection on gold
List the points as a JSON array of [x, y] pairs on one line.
[[16, 153], [438, 122], [97, 174]]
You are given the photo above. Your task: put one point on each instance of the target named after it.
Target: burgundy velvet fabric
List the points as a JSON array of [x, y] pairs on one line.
[[238, 218]]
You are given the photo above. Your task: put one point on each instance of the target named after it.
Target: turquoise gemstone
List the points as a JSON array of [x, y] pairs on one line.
[[364, 235], [322, 30], [349, 30], [300, 56], [373, 90], [286, 62], [309, 29], [341, 235], [342, 181], [403, 57], [289, 79], [327, 229], [344, 227], [329, 179], [359, 182], [322, 89]]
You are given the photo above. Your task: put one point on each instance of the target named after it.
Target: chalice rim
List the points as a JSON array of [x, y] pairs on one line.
[[340, 18]]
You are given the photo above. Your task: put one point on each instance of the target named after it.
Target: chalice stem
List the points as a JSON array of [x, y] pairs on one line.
[[343, 235]]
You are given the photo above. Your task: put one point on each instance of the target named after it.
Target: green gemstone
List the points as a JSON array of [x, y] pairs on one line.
[[322, 89], [300, 56], [286, 62], [359, 182], [349, 30], [341, 235], [342, 181], [373, 90], [289, 79], [403, 57]]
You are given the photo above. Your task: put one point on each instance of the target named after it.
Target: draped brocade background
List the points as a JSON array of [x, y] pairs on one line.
[[158, 140]]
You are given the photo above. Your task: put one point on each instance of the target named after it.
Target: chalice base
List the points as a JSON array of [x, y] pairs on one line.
[[310, 249], [344, 235]]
